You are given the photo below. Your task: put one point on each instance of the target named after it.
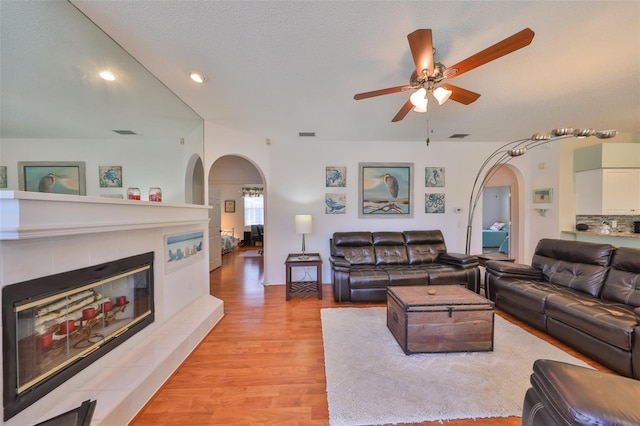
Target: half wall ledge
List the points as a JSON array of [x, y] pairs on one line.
[[40, 215]]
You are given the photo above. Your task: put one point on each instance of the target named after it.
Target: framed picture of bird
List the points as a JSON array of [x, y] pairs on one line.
[[60, 177], [385, 190]]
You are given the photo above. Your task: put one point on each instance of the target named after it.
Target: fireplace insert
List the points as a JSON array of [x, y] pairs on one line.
[[55, 326]]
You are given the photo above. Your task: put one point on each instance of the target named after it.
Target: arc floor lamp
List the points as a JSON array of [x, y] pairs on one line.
[[517, 148]]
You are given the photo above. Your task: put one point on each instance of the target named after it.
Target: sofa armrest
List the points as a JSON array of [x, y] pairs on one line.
[[339, 263], [458, 259], [637, 312], [515, 270]]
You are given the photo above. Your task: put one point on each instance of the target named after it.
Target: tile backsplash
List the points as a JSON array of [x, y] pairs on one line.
[[624, 222]]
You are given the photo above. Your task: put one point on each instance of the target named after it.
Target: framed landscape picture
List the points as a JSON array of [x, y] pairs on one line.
[[60, 177], [385, 190]]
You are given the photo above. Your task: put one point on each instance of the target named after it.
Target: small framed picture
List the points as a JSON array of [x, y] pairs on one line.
[[335, 203], [229, 206], [434, 177], [336, 177], [110, 176], [544, 195]]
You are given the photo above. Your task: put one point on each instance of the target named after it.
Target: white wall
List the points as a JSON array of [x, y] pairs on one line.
[[294, 171]]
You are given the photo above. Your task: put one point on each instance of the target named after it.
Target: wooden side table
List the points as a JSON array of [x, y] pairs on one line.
[[300, 288]]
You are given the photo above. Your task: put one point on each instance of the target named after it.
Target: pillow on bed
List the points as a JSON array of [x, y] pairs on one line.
[[497, 226]]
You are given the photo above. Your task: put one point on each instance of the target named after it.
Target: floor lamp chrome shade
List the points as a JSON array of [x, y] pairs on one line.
[[508, 151], [304, 225]]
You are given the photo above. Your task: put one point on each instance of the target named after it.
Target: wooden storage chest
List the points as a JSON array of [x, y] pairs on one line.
[[452, 319]]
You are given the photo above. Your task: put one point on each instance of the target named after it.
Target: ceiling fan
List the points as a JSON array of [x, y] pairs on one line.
[[428, 75]]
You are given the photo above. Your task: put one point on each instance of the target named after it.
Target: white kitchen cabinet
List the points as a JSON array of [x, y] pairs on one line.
[[607, 191]]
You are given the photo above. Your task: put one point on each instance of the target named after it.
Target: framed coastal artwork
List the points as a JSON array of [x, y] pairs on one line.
[[336, 177], [434, 203], [385, 190], [110, 176], [182, 249], [434, 177], [335, 203], [60, 177]]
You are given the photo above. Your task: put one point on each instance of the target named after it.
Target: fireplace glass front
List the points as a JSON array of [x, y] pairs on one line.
[[61, 329]]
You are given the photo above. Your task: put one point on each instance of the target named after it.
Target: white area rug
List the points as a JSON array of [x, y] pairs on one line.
[[371, 381], [250, 253]]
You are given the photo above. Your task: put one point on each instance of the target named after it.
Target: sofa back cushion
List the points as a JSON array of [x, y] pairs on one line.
[[389, 248], [623, 280], [424, 246], [578, 265], [355, 247]]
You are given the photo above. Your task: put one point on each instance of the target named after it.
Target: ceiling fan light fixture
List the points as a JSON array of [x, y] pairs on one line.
[[420, 108], [419, 99], [442, 95]]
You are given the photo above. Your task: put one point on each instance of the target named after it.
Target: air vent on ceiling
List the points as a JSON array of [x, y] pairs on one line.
[[307, 134], [125, 132], [458, 135]]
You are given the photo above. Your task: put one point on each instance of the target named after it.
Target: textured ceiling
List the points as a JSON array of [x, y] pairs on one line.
[[276, 68]]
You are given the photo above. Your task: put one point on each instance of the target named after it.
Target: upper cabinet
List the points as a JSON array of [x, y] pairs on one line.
[[608, 191], [607, 179]]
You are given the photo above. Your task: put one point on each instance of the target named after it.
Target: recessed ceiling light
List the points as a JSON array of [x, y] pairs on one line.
[[107, 75], [197, 76]]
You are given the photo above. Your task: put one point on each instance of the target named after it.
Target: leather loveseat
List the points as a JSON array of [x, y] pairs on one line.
[[364, 264], [586, 295]]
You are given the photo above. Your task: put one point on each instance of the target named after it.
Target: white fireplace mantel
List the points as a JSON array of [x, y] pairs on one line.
[[25, 215]]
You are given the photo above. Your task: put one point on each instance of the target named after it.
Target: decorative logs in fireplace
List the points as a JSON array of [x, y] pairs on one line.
[[55, 326]]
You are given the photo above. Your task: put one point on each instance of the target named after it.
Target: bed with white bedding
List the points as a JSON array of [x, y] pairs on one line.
[[229, 242]]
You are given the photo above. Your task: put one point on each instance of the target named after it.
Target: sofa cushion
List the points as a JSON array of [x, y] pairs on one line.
[[406, 275], [421, 253], [525, 293], [578, 265], [355, 247], [623, 281], [391, 255], [368, 276], [610, 322], [424, 246], [442, 274]]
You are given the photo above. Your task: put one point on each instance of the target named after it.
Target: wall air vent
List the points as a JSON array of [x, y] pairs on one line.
[[458, 135], [125, 132], [307, 134]]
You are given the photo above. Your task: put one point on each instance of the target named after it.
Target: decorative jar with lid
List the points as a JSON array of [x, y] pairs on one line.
[[155, 194]]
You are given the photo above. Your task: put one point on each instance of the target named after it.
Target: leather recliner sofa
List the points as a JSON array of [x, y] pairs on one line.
[[364, 264], [586, 295]]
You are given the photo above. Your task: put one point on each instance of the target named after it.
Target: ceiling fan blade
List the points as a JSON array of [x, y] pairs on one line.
[[421, 46], [403, 111], [461, 95], [380, 92], [498, 50]]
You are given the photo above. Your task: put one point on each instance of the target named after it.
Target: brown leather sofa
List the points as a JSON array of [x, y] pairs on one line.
[[565, 394], [586, 295], [364, 264]]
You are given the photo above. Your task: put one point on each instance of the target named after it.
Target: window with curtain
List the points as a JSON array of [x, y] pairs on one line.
[[253, 210]]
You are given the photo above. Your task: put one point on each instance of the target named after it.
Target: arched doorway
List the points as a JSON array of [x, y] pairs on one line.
[[504, 183], [227, 176]]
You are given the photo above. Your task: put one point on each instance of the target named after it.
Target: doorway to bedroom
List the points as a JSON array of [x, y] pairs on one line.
[[496, 219], [237, 197]]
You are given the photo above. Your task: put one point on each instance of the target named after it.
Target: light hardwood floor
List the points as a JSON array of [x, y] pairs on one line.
[[263, 363]]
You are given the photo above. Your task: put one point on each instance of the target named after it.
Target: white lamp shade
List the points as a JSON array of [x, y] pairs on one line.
[[419, 98], [304, 223], [441, 94]]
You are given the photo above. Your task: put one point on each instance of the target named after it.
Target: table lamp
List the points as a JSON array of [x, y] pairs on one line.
[[304, 225]]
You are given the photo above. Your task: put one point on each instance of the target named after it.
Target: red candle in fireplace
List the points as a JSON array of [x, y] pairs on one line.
[[121, 300], [45, 340], [107, 306], [88, 313], [67, 327]]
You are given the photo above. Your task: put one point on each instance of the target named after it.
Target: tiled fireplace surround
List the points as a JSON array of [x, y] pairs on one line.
[[44, 234]]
